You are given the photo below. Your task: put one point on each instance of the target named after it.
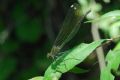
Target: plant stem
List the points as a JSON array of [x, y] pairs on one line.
[[99, 51]]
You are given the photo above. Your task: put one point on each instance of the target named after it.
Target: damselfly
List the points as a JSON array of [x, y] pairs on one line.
[[68, 30]]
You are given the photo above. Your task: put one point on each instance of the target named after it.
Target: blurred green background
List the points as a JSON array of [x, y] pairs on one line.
[[27, 31]]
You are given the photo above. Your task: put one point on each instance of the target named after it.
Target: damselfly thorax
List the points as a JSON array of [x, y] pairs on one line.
[[54, 51]]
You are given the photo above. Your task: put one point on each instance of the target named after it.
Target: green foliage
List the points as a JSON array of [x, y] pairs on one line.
[[109, 22], [70, 59], [19, 15], [37, 78], [9, 46], [114, 29], [26, 25], [90, 5], [27, 73], [7, 66], [113, 61], [29, 31]]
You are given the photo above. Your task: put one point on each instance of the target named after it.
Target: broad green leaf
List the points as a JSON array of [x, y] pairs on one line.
[[113, 61], [37, 78], [70, 59]]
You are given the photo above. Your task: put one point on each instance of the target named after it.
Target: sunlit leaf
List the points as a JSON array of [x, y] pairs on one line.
[[106, 74], [70, 59], [37, 78], [113, 61]]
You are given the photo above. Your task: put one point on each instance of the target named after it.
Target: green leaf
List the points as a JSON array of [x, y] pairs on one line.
[[37, 78], [113, 15], [114, 29], [70, 59], [104, 22], [113, 61], [106, 74]]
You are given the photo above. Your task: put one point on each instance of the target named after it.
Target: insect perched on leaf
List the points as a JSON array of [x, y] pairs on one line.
[[68, 30]]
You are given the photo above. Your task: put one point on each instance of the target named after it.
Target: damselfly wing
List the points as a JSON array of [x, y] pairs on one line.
[[68, 30]]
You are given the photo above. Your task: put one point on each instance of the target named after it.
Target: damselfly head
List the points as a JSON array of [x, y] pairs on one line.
[[53, 52], [76, 9]]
